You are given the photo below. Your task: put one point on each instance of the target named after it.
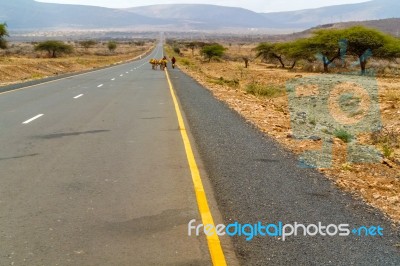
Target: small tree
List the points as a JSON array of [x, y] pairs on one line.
[[325, 45], [191, 46], [269, 51], [54, 48], [213, 50], [88, 44], [246, 61], [3, 34], [112, 46], [291, 52]]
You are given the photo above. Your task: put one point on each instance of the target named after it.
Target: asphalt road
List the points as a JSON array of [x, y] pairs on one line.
[[256, 180], [93, 171]]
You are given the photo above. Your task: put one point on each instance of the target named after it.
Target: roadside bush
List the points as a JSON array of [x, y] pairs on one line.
[[88, 44], [221, 81], [393, 96], [387, 139], [184, 62], [111, 45], [269, 91], [343, 135]]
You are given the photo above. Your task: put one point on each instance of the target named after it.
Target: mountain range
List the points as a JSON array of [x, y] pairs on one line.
[[32, 15]]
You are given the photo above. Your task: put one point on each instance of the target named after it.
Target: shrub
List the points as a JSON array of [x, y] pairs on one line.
[[387, 151], [393, 96], [111, 45], [387, 139], [343, 135], [269, 91], [87, 44], [185, 62], [222, 81]]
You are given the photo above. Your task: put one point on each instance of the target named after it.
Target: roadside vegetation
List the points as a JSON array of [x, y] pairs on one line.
[[54, 48], [112, 46], [211, 51], [252, 79], [330, 46], [21, 61], [343, 135], [264, 90], [3, 35]]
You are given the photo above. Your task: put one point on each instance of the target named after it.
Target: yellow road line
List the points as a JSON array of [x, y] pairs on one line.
[[214, 245]]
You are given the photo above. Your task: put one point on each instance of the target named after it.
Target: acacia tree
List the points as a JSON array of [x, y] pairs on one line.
[[329, 45], [213, 50], [293, 51], [325, 45], [364, 42], [3, 34], [283, 52], [268, 51], [54, 48]]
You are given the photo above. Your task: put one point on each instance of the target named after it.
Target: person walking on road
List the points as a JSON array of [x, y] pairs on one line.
[[173, 60]]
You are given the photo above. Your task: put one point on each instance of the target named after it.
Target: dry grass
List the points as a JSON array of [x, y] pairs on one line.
[[378, 184], [22, 63]]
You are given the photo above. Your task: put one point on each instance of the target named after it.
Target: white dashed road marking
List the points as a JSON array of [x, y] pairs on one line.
[[33, 118]]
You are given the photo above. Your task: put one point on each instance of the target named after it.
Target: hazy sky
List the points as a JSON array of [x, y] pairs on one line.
[[255, 5]]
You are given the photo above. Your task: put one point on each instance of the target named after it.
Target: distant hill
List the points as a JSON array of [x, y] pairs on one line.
[[371, 10], [32, 15], [390, 25], [200, 16]]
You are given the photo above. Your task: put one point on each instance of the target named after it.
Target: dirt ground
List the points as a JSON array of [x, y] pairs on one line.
[[22, 63], [376, 182]]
